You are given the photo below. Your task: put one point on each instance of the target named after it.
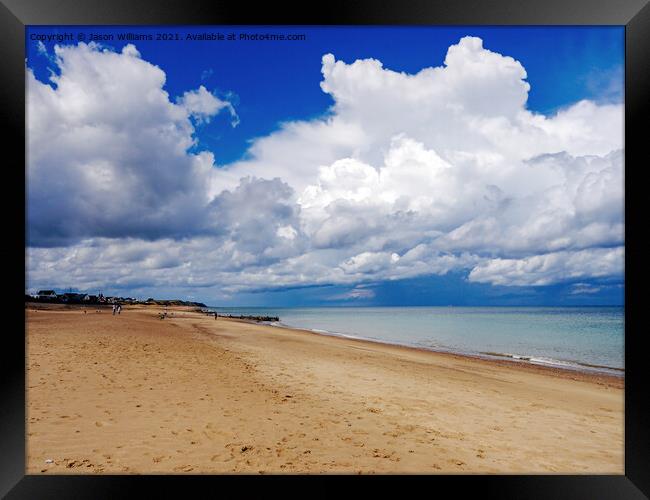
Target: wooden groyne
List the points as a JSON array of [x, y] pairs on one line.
[[244, 317]]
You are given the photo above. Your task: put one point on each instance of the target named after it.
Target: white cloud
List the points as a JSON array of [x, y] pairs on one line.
[[584, 288], [406, 175], [550, 268], [40, 47], [203, 105], [108, 152], [360, 292]]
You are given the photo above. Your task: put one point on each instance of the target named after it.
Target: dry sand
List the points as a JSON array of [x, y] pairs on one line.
[[190, 394]]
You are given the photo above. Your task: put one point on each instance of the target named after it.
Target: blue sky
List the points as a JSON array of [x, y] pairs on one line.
[[271, 83]]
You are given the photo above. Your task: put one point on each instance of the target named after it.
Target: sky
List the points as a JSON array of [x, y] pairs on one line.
[[357, 166]]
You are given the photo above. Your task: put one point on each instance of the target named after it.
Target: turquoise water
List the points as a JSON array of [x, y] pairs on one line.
[[587, 338]]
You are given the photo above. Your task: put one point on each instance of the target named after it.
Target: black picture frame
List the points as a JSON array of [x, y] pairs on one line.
[[15, 15]]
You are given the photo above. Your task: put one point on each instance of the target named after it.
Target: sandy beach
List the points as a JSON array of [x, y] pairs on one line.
[[132, 393]]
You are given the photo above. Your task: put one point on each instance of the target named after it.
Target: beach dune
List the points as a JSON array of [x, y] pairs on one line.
[[132, 393]]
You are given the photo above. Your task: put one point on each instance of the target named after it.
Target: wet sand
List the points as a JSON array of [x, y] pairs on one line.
[[189, 394]]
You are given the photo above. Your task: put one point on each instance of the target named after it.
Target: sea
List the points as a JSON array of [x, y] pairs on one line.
[[577, 338]]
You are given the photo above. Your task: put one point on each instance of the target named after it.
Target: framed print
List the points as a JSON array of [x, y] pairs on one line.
[[385, 239]]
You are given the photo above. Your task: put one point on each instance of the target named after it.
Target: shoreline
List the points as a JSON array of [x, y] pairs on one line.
[[574, 368], [139, 395], [613, 376], [614, 379]]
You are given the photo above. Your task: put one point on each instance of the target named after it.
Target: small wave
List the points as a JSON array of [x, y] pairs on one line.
[[337, 334], [541, 360]]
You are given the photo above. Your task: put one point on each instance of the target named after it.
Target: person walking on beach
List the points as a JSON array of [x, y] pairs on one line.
[[114, 309], [216, 315], [119, 308]]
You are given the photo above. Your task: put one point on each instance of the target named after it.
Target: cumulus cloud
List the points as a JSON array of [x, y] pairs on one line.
[[108, 151], [471, 109], [203, 105], [259, 218], [406, 175]]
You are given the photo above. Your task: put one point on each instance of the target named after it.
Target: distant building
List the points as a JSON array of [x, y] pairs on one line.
[[72, 297], [46, 294]]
